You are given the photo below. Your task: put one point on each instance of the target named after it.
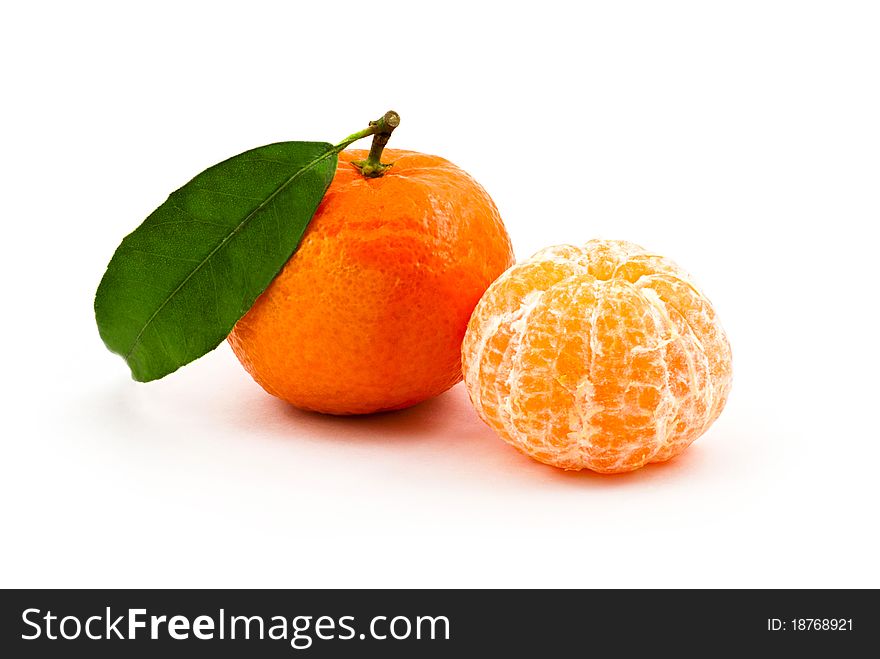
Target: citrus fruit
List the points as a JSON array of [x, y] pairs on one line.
[[602, 357], [370, 311]]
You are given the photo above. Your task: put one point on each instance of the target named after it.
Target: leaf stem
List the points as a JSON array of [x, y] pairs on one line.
[[380, 129]]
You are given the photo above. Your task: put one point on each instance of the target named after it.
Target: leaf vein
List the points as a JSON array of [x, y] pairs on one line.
[[227, 194], [170, 257]]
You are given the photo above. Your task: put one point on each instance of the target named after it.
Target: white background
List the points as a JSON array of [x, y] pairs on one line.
[[741, 139]]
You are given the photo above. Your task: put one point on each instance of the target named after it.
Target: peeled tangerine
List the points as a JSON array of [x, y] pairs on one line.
[[602, 357]]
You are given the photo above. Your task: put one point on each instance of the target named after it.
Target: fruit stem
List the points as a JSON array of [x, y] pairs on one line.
[[381, 130]]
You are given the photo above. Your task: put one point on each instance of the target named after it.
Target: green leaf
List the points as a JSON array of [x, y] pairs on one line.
[[177, 285]]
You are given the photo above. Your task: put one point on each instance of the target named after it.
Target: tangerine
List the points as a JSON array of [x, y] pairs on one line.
[[602, 357], [369, 313]]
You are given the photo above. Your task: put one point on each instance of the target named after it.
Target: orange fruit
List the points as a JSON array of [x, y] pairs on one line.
[[602, 357], [370, 311]]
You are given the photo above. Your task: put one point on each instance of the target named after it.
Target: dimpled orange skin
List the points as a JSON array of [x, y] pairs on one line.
[[369, 313], [602, 357]]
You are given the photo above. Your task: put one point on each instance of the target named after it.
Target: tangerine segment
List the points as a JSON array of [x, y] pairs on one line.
[[370, 311], [601, 357]]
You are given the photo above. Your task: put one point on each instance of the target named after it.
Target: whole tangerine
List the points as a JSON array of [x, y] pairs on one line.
[[602, 357], [369, 313]]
